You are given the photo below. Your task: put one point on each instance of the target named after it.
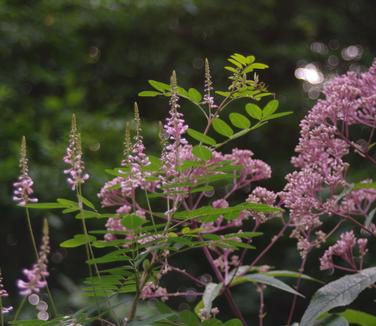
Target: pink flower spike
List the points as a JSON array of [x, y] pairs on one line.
[[3, 294], [36, 277], [73, 157], [23, 187]]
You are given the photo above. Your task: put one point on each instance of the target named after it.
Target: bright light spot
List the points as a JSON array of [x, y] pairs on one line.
[[352, 52], [310, 73]]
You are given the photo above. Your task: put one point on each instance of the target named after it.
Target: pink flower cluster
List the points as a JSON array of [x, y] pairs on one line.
[[325, 139], [343, 249], [151, 290], [73, 157], [23, 187], [263, 196], [3, 294], [36, 277]]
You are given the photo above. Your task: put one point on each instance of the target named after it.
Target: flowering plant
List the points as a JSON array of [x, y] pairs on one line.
[[157, 208]]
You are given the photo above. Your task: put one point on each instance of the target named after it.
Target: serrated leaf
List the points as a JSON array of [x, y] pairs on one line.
[[222, 128], [270, 108], [239, 120], [149, 94], [254, 111], [201, 137], [202, 152], [338, 293], [194, 95]]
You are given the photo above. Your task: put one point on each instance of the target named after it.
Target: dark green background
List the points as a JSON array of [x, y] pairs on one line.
[[93, 57]]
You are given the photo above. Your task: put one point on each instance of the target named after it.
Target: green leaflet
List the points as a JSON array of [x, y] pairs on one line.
[[202, 138], [202, 152], [194, 95], [254, 111], [222, 128], [240, 121], [270, 107], [77, 241]]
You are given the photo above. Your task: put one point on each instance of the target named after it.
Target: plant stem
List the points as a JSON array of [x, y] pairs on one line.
[[1, 312], [90, 252], [262, 305], [293, 305], [19, 309], [185, 273], [270, 245], [31, 232], [235, 309]]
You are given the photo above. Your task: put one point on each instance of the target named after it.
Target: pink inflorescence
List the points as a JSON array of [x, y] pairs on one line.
[[36, 277], [323, 144], [343, 249], [136, 160], [251, 169], [176, 145], [208, 98], [3, 294], [151, 290], [73, 157], [23, 187], [263, 196]]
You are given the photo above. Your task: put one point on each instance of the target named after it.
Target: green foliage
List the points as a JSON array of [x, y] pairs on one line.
[[338, 293]]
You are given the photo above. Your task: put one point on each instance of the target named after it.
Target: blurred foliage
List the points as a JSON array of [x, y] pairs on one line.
[[93, 57]]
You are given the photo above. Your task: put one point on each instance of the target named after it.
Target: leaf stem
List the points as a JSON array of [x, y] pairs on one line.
[[227, 292], [293, 305], [19, 309]]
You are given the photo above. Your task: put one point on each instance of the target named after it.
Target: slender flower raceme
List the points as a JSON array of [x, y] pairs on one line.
[[208, 98], [36, 276], [3, 294], [73, 157], [23, 187], [175, 127], [136, 160]]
